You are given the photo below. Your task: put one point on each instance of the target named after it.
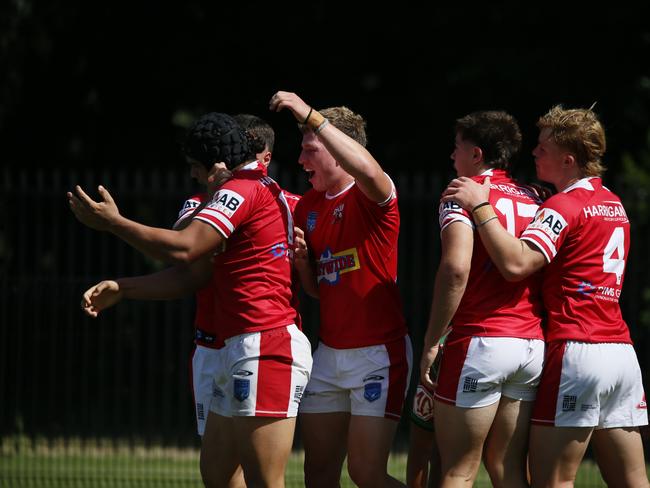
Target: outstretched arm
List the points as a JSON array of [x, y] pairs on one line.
[[167, 284], [352, 156], [449, 287], [515, 259], [182, 246]]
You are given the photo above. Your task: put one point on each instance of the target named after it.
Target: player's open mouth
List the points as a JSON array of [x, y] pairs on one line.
[[310, 173]]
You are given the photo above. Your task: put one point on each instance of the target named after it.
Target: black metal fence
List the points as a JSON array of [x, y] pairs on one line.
[[123, 378]]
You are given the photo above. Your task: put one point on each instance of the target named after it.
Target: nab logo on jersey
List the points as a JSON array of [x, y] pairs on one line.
[[550, 222], [227, 202], [449, 207]]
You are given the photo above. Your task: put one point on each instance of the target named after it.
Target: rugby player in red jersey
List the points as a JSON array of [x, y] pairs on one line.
[[493, 357], [591, 387], [265, 363], [350, 221]]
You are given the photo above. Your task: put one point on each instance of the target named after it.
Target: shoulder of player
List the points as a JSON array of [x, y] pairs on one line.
[[565, 204], [291, 196]]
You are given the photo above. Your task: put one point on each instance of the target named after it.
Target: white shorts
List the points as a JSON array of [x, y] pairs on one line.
[[368, 381], [262, 374], [591, 385], [475, 371], [205, 363]]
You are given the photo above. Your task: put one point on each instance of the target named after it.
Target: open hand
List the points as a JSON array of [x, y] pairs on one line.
[[96, 215], [466, 192]]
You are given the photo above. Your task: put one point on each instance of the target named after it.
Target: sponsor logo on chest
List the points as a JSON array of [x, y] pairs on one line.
[[330, 266]]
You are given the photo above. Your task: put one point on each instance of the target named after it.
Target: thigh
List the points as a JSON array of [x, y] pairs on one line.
[[421, 448], [219, 460], [369, 442], [619, 453], [555, 453], [324, 438], [506, 447], [462, 432], [264, 446]]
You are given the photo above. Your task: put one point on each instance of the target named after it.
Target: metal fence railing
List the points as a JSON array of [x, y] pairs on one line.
[[88, 400]]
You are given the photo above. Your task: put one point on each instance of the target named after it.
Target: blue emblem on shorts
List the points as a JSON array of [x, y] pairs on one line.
[[242, 389], [372, 391], [311, 221]]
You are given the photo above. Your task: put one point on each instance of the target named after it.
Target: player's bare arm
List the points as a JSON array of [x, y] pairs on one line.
[[168, 284], [451, 280], [351, 156], [515, 259], [303, 264], [171, 246]]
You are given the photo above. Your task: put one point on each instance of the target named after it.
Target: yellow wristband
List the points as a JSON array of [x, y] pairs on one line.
[[315, 120], [482, 213]]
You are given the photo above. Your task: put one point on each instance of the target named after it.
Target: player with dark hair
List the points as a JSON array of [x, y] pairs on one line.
[[493, 355], [265, 362], [206, 326], [591, 388]]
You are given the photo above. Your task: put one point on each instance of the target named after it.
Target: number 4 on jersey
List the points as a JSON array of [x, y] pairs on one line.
[[616, 244]]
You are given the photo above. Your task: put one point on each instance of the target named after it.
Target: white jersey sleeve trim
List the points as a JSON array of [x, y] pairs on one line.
[[457, 218], [219, 216], [392, 195], [211, 223]]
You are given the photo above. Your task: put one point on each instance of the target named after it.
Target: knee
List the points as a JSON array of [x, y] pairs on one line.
[[494, 467], [213, 477], [366, 475], [317, 475]]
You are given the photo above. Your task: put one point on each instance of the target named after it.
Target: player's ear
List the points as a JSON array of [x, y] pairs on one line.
[[569, 160], [477, 154]]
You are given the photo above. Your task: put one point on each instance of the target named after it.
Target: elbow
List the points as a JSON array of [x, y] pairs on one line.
[[514, 272], [313, 293], [456, 275], [182, 257]]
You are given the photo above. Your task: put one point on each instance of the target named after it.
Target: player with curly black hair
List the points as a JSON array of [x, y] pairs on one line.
[[266, 361]]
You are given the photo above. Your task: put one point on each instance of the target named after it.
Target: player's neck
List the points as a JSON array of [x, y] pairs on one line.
[[568, 181], [341, 184]]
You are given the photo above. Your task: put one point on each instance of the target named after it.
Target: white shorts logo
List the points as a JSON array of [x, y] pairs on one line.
[[227, 202]]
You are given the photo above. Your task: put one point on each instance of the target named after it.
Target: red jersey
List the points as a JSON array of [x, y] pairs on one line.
[[354, 242], [584, 234], [492, 306], [252, 276], [205, 324], [292, 200]]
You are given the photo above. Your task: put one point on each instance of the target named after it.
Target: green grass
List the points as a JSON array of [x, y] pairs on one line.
[[73, 463]]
